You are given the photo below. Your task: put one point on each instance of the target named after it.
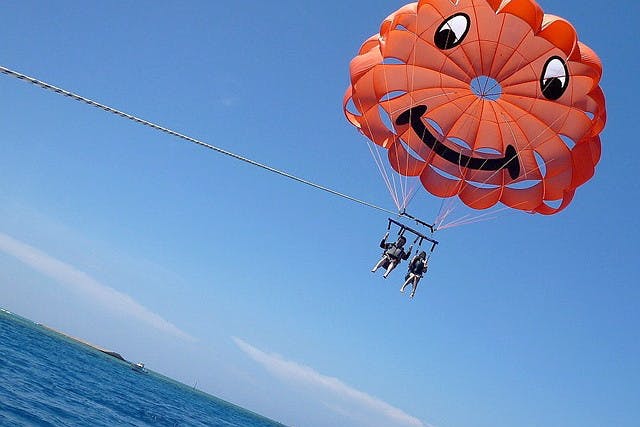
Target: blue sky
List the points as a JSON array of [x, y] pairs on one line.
[[259, 288]]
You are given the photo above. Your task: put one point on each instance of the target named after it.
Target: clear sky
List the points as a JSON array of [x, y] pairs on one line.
[[258, 288]]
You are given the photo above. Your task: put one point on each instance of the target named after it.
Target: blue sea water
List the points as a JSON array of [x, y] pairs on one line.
[[47, 379]]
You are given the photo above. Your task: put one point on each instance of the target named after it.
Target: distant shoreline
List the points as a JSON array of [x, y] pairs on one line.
[[83, 342], [72, 338], [118, 356]]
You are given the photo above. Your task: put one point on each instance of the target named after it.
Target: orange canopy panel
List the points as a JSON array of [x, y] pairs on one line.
[[488, 100]]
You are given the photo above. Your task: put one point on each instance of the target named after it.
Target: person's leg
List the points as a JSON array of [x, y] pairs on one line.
[[377, 266], [392, 265], [409, 279], [416, 279]]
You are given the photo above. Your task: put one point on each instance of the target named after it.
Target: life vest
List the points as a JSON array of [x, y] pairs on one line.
[[394, 252], [417, 267]]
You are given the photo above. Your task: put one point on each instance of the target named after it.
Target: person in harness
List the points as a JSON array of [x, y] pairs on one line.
[[417, 267], [393, 254]]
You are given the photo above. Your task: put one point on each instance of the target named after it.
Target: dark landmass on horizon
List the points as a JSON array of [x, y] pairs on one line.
[[86, 343]]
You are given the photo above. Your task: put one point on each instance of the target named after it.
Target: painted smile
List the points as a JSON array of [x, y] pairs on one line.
[[509, 162]]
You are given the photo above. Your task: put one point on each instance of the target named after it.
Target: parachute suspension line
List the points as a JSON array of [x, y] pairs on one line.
[[450, 204], [412, 193], [413, 184], [168, 131], [406, 186], [395, 191], [447, 206], [404, 179], [531, 142], [375, 153], [401, 180], [469, 219], [438, 220], [484, 217], [414, 189], [395, 187], [377, 158], [472, 219], [410, 182], [420, 101]]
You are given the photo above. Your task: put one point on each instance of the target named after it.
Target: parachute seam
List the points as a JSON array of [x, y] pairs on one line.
[[530, 143], [520, 67], [514, 49]]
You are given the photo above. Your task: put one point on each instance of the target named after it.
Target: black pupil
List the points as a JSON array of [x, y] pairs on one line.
[[445, 38], [552, 88]]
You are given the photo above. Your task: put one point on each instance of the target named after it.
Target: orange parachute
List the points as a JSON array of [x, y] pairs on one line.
[[488, 100]]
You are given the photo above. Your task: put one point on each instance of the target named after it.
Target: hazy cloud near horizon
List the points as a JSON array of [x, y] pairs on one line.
[[351, 403], [75, 279]]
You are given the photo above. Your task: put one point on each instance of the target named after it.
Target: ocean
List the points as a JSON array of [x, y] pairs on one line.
[[47, 379]]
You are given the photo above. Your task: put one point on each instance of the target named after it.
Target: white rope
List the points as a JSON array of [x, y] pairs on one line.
[[143, 122]]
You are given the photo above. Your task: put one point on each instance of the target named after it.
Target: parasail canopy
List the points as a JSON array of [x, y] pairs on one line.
[[490, 101]]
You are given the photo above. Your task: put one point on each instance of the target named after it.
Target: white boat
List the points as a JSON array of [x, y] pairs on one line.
[[139, 367]]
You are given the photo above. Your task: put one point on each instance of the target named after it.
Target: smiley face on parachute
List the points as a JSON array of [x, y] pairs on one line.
[[489, 100]]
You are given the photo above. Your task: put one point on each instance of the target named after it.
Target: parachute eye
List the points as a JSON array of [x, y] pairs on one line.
[[452, 31], [554, 79]]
